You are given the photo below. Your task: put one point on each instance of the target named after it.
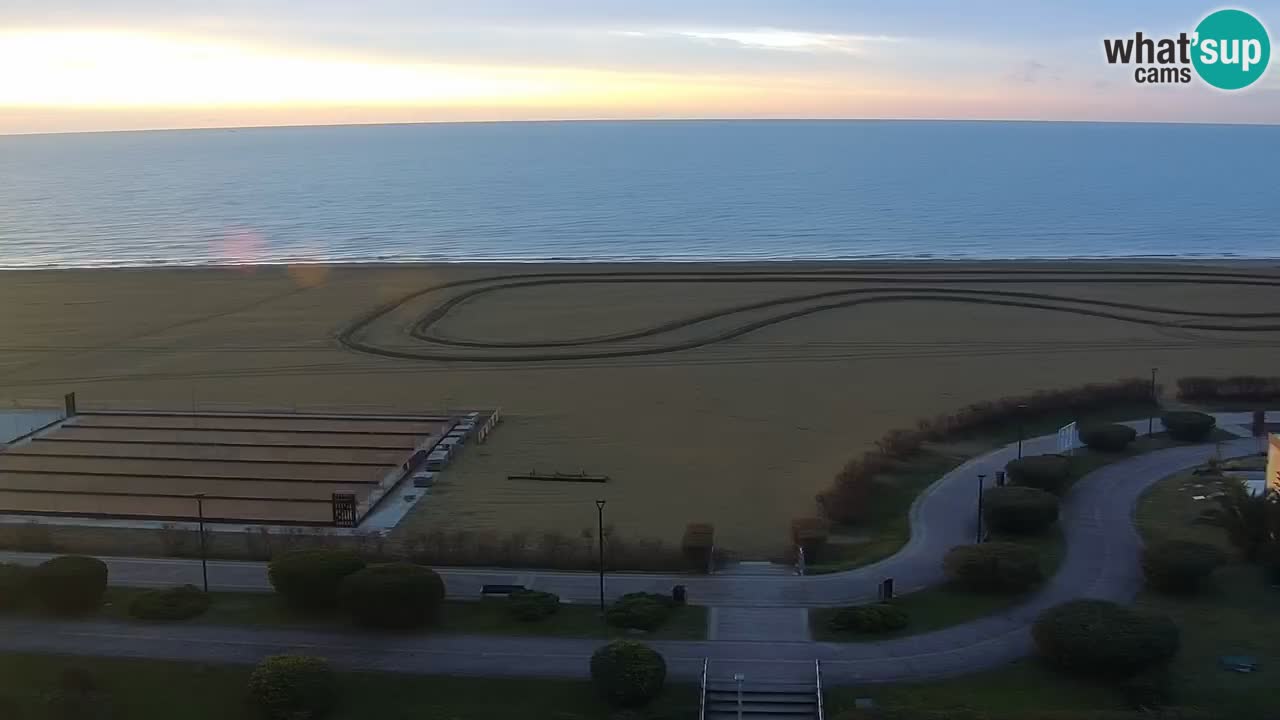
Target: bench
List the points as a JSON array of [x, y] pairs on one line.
[[500, 589]]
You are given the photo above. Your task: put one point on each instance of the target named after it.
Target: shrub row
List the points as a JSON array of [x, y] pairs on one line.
[[533, 605], [1188, 425], [1107, 438], [293, 687], [846, 500], [1043, 472], [70, 585], [549, 550], [994, 567], [1019, 510], [640, 611], [1180, 566], [1103, 639], [870, 619], [386, 595], [1237, 387]]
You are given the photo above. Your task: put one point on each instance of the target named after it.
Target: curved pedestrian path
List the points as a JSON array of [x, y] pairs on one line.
[[1101, 561]]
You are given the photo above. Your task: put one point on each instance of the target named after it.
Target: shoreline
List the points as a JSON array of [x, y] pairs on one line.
[[835, 263]]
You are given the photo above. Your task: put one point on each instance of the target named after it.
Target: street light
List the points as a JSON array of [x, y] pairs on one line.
[[204, 556], [600, 542], [1151, 420], [737, 680], [1022, 409], [981, 480]]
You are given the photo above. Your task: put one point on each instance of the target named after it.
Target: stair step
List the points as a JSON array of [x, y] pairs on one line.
[[780, 697], [733, 715], [752, 686], [754, 708]]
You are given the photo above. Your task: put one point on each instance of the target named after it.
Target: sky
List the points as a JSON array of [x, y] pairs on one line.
[[86, 65]]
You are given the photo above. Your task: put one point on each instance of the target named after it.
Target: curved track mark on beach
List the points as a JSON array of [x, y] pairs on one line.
[[898, 286]]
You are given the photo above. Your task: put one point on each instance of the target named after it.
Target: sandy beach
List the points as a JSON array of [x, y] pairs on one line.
[[726, 394]]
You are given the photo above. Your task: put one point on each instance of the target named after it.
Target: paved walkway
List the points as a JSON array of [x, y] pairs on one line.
[[757, 624]]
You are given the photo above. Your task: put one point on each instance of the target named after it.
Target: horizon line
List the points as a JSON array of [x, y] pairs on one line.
[[287, 126]]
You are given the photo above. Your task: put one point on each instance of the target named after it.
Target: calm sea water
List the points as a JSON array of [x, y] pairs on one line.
[[640, 191]]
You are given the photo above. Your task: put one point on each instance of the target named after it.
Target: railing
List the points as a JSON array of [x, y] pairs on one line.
[[702, 701], [817, 674]]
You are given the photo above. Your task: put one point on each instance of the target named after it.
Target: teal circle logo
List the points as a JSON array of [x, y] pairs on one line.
[[1232, 49]]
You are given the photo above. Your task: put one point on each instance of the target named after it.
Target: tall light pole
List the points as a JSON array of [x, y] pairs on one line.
[[981, 480], [600, 542], [204, 556], [1022, 411], [1151, 420]]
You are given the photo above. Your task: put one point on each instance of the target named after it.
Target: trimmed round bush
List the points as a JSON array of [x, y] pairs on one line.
[[870, 619], [1107, 438], [532, 606], [392, 595], [628, 673], [1188, 425], [1043, 472], [639, 611], [309, 579], [994, 567], [15, 585], [1180, 566], [179, 603], [1103, 639], [1019, 510], [293, 687], [71, 584]]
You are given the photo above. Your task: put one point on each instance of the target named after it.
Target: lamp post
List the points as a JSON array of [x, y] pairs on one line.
[[600, 542], [1022, 411], [1151, 420], [737, 679], [981, 481], [204, 556]]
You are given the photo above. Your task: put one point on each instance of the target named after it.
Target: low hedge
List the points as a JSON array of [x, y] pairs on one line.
[[71, 584], [15, 585], [178, 603], [532, 605], [1188, 425], [870, 619], [1107, 438], [1180, 566], [392, 595], [628, 673], [640, 611], [1043, 472], [994, 567], [1237, 387], [309, 579], [293, 687], [1019, 510], [1103, 639]]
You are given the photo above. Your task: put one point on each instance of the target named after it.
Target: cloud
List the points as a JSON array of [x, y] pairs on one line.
[[775, 39]]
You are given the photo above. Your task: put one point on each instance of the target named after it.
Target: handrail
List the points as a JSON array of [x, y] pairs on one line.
[[817, 672], [702, 701]]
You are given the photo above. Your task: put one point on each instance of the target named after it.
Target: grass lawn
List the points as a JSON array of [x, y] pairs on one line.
[[887, 529], [944, 606], [1234, 616], [1023, 689], [485, 617], [162, 690]]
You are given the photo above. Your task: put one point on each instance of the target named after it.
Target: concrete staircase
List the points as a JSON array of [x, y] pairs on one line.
[[761, 700]]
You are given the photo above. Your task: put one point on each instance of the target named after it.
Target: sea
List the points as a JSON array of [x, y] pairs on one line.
[[640, 191]]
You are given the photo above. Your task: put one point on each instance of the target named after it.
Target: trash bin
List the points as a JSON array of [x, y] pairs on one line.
[[678, 594]]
